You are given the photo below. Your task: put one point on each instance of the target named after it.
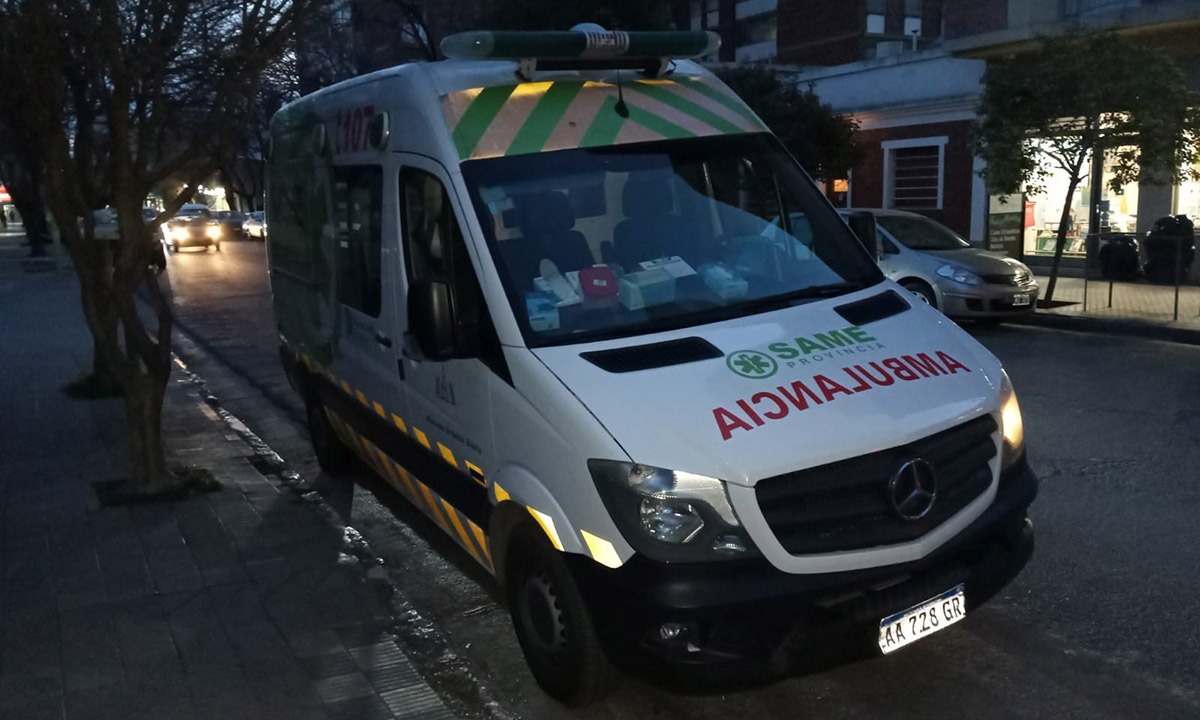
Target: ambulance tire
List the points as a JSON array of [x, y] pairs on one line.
[[553, 624], [332, 454]]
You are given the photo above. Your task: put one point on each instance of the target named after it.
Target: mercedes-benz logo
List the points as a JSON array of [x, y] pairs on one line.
[[913, 489]]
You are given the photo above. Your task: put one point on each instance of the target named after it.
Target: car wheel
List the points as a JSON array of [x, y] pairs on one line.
[[922, 290], [216, 246], [332, 454], [552, 622]]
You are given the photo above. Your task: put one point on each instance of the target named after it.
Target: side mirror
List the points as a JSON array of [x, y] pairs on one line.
[[432, 323], [863, 225]]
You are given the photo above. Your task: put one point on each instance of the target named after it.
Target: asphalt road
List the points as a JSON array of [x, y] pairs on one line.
[[1104, 622]]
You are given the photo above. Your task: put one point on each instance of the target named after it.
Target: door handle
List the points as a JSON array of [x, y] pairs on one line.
[[383, 340]]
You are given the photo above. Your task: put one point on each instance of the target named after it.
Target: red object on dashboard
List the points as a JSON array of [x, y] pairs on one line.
[[598, 281]]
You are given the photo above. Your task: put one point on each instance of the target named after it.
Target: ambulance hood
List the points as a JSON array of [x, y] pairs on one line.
[[790, 389]]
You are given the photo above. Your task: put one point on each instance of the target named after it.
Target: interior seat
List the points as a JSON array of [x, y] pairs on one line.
[[547, 223], [650, 229]]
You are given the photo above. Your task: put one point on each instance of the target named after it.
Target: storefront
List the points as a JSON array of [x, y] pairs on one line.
[[1131, 209]]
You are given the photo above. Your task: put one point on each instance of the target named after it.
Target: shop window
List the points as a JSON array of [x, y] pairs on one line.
[[913, 173], [357, 220]]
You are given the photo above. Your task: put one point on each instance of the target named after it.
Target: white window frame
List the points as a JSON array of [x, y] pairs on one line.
[[889, 200]]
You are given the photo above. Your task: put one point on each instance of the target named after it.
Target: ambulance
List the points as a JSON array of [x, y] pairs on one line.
[[568, 295]]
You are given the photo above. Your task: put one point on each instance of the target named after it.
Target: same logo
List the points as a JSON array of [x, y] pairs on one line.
[[752, 364]]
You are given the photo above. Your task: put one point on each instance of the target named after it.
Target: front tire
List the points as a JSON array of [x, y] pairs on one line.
[[553, 624], [923, 292], [332, 454]]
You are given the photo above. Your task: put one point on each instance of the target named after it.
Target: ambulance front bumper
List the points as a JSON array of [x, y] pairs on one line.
[[748, 620]]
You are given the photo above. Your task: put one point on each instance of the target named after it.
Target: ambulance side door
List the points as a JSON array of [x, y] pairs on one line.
[[365, 253], [450, 401]]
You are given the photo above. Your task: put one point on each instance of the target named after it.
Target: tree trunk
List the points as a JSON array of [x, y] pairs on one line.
[[1061, 240], [148, 473]]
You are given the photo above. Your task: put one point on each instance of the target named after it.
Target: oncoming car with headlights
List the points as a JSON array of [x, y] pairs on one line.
[[553, 314], [192, 225], [942, 269]]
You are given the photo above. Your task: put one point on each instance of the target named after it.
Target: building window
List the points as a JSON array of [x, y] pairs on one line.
[[756, 29], [875, 24], [913, 172], [357, 220]]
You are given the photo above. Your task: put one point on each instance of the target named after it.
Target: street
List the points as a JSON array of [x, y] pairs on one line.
[[1101, 624]]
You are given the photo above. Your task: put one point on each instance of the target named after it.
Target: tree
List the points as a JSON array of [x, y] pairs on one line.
[[821, 140], [1075, 98], [557, 15], [117, 96]]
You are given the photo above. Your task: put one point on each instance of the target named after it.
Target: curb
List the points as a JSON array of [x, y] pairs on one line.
[[1110, 326]]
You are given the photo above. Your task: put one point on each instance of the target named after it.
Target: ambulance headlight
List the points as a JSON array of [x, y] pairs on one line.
[[1010, 422], [669, 515]]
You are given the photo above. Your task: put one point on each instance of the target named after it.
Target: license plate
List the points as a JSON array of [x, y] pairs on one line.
[[904, 628], [1020, 300]]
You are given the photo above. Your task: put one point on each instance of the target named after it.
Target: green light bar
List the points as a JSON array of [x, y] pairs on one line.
[[516, 45]]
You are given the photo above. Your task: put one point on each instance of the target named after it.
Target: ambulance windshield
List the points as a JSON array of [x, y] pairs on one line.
[[620, 240]]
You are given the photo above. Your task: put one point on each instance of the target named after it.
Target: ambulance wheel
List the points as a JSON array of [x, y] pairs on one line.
[[552, 623], [923, 292], [332, 454]]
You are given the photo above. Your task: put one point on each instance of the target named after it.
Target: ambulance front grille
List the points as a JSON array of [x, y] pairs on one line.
[[846, 506]]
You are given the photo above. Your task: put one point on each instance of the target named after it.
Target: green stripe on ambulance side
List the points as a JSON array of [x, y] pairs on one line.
[[475, 121], [549, 110], [686, 106]]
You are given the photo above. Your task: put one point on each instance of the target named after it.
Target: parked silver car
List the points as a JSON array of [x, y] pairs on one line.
[[941, 268]]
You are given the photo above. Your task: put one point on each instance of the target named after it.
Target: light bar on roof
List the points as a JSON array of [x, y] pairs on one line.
[[516, 45]]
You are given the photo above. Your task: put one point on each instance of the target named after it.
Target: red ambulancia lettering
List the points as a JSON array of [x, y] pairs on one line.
[[778, 404]]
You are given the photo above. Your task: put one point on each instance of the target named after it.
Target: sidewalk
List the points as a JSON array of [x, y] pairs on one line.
[[239, 604], [1135, 308]]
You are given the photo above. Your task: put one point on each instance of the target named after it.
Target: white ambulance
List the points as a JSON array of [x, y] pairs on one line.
[[568, 295]]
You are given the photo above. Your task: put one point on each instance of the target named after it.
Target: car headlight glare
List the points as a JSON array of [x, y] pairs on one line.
[[959, 275], [213, 231], [179, 233], [672, 516], [1012, 427]]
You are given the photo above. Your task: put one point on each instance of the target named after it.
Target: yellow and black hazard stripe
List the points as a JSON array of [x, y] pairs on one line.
[[542, 116], [449, 490], [387, 416], [469, 534]]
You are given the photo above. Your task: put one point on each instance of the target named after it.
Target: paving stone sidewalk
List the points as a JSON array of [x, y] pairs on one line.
[[238, 604]]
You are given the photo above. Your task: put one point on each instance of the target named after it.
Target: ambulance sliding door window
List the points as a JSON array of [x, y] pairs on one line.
[[357, 220]]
